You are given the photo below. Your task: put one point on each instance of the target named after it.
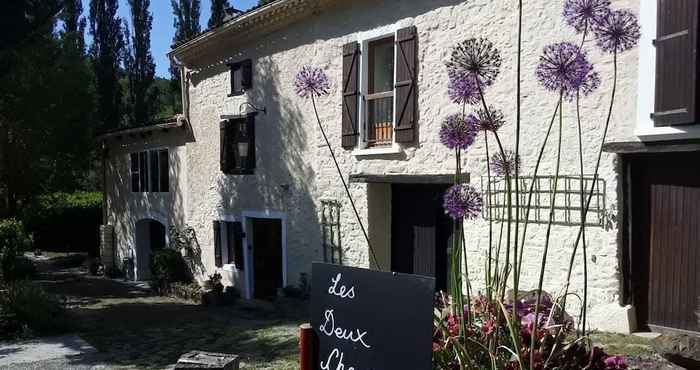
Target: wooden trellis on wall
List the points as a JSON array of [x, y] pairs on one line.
[[330, 228], [567, 209]]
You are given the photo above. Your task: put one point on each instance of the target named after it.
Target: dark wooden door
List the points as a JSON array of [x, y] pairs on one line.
[[420, 232], [157, 235], [666, 224], [267, 257]]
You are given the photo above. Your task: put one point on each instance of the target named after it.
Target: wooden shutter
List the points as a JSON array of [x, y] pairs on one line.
[[224, 151], [163, 167], [234, 232], [143, 171], [249, 137], [135, 176], [351, 61], [246, 74], [217, 244], [406, 56], [676, 62], [154, 181]]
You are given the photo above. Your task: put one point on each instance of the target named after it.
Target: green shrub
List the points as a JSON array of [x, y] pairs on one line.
[[13, 241], [167, 267], [65, 222], [32, 306], [24, 269]]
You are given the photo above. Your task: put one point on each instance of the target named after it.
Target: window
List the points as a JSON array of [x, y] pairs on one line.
[[379, 91], [241, 77], [330, 228], [228, 244], [238, 145], [379, 94], [150, 172]]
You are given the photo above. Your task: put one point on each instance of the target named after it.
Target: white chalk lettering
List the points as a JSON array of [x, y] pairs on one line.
[[342, 291], [330, 330], [335, 355]]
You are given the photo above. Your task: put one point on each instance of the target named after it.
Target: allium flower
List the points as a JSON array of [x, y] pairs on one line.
[[589, 84], [617, 31], [311, 81], [462, 201], [457, 133], [503, 166], [582, 15], [563, 67], [462, 89], [478, 58], [491, 121]]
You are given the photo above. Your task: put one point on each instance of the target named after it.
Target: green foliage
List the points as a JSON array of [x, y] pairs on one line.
[[140, 67], [186, 27], [64, 222], [167, 267], [218, 12], [32, 306], [13, 241]]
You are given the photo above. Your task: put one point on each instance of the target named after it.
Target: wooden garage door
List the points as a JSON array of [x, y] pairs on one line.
[[672, 187]]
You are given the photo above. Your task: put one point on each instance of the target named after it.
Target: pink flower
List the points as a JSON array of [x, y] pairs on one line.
[[489, 327], [615, 363]]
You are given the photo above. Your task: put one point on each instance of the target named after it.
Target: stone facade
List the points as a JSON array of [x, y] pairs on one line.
[[294, 171]]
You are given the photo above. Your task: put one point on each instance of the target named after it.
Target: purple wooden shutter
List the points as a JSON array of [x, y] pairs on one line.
[[351, 61], [676, 62], [406, 73]]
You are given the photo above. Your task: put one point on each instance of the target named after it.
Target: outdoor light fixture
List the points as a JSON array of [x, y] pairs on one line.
[[255, 109]]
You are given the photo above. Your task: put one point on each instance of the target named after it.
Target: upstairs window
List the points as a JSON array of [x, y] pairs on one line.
[[237, 155], [150, 171], [379, 90], [241, 77]]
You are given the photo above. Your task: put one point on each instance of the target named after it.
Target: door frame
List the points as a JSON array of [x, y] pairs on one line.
[[247, 217], [133, 251]]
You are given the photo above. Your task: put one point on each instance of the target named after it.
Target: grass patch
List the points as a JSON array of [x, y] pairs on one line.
[[626, 345]]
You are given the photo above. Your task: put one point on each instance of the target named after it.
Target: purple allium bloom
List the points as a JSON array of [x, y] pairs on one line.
[[615, 363], [311, 81], [462, 201], [563, 67], [617, 31], [589, 84], [582, 15], [462, 89], [491, 121], [478, 58], [457, 133], [505, 165]]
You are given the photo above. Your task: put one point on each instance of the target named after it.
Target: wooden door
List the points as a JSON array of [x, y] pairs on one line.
[[267, 257], [667, 220], [421, 232]]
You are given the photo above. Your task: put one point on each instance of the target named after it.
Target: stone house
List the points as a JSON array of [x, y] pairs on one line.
[[250, 173]]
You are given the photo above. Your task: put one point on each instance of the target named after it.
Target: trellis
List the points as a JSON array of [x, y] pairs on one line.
[[567, 209], [330, 228]]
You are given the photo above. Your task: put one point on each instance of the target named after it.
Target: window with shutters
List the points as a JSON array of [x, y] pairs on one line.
[[238, 145], [228, 244], [379, 93], [668, 71], [241, 77], [150, 172]]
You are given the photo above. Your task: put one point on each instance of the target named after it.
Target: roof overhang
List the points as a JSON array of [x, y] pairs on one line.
[[177, 122], [261, 20]]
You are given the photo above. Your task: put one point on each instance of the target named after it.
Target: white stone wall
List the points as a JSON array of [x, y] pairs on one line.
[[294, 170], [124, 208]]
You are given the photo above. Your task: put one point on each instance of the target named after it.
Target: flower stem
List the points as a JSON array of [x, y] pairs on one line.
[[583, 219], [543, 264], [345, 185]]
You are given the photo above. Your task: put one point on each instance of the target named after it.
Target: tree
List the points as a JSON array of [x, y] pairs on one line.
[[187, 26], [139, 65], [73, 24], [106, 52], [218, 12]]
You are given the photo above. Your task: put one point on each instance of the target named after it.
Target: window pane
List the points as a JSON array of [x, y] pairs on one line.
[[164, 170], [381, 65], [155, 173]]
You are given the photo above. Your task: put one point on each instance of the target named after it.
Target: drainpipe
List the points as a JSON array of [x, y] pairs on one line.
[[184, 86]]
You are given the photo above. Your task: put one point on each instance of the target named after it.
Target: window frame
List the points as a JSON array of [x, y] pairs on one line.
[[232, 137], [145, 174], [244, 66]]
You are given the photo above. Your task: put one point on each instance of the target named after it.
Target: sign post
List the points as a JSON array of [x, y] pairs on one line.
[[371, 320]]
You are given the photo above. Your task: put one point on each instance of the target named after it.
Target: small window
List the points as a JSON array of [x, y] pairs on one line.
[[379, 92], [150, 171], [241, 77], [238, 145]]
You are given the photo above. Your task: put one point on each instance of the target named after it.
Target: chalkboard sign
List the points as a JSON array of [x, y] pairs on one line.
[[371, 320]]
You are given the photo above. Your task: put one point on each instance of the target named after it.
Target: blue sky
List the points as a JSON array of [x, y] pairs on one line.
[[163, 31]]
